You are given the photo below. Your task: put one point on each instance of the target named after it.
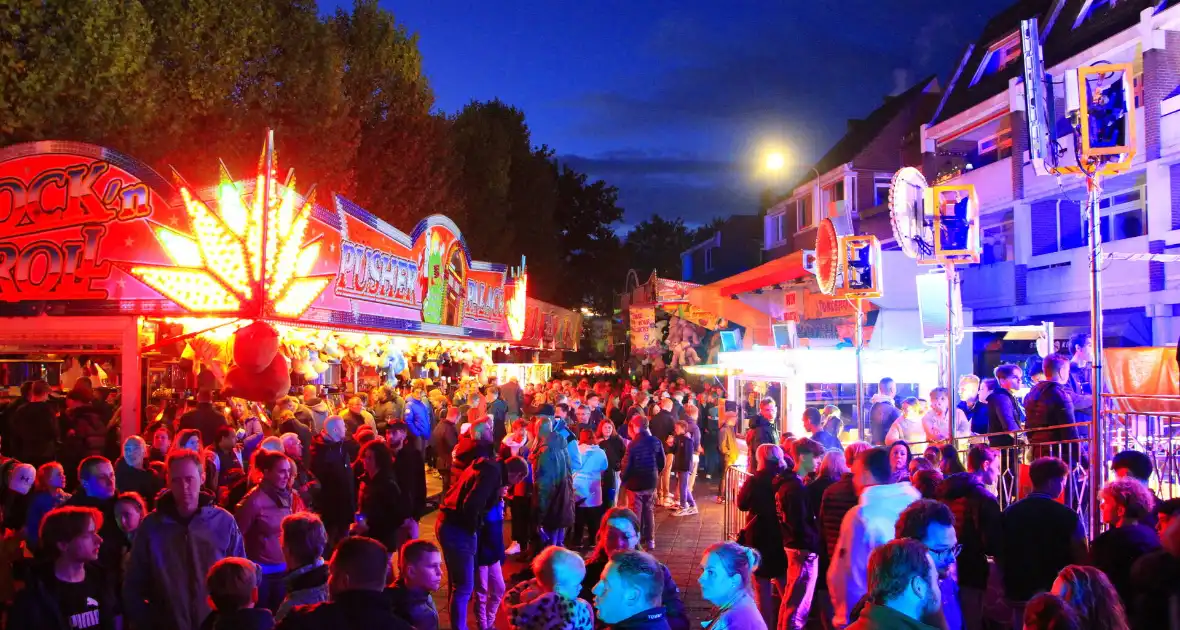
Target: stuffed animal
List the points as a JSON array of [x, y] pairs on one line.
[[260, 372]]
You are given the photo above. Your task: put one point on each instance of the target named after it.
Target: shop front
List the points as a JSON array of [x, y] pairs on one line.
[[250, 287]]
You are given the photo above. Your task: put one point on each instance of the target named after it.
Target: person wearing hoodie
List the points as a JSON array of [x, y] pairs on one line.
[[867, 526], [174, 548], [420, 571], [67, 589], [553, 498], [335, 500], [978, 525], [588, 490], [800, 534], [233, 591], [303, 541]]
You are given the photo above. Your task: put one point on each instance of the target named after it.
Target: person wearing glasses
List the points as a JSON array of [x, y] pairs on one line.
[[932, 524]]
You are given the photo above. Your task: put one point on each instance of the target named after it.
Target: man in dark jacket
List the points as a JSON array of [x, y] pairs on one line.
[[357, 576], [409, 469], [884, 411], [420, 569], [630, 593], [763, 430], [68, 591], [977, 526], [132, 475], [1078, 385], [512, 396], [801, 538], [1049, 405], [444, 439], [1004, 412], [34, 428], [498, 410], [640, 474], [460, 517], [204, 418], [335, 500], [292, 424], [96, 489]]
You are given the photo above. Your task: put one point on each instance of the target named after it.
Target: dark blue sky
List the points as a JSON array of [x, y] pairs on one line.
[[673, 101]]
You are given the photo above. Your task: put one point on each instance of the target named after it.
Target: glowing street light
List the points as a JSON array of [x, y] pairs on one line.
[[775, 161]]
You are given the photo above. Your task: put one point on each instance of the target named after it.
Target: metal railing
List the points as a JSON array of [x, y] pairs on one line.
[[734, 520]]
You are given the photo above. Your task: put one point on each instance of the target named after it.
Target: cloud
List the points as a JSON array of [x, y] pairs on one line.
[[669, 184]]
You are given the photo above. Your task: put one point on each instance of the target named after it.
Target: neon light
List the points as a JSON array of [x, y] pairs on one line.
[[517, 308], [218, 267]]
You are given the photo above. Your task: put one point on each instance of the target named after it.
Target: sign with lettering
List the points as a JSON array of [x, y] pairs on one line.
[[644, 333], [85, 230], [551, 327]]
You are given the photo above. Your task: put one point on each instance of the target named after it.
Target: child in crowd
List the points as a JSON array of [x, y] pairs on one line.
[[420, 570], [550, 602], [233, 590], [682, 456]]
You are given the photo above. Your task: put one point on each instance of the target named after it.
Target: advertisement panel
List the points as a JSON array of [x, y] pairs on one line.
[[644, 334], [87, 231], [673, 291], [792, 305], [550, 326]]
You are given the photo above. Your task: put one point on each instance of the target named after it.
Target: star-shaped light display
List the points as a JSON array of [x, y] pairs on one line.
[[220, 267]]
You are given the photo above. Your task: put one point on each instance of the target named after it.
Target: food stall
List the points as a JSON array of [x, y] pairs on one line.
[[249, 286]]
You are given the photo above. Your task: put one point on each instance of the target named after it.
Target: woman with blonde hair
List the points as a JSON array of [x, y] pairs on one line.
[[726, 571], [1090, 594]]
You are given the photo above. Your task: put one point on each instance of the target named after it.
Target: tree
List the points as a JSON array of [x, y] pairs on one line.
[[706, 231], [656, 244], [74, 74], [593, 258]]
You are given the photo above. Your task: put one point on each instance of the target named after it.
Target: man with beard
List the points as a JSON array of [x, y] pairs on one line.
[[903, 588]]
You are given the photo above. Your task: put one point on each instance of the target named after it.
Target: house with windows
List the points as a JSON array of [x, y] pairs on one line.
[[1035, 264], [850, 183], [735, 246]]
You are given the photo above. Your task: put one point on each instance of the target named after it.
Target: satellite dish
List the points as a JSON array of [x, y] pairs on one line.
[[908, 213]]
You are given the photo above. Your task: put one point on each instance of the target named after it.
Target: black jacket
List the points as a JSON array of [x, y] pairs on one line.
[[652, 619], [675, 612], [881, 417], [1116, 550], [795, 517], [1003, 414], [304, 433], [1049, 405], [762, 531], [682, 452], [838, 499], [642, 463], [1155, 577], [350, 610], [977, 525], [139, 480], [444, 438], [662, 424], [244, 619], [466, 453], [385, 508], [1038, 536], [615, 450], [410, 471], [761, 432], [470, 498], [205, 419], [34, 428], [413, 605], [335, 501], [36, 606]]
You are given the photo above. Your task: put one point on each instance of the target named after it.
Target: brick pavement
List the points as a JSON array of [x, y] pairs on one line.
[[680, 542]]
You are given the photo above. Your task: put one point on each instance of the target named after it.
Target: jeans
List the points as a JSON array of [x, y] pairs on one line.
[[555, 537], [692, 479], [769, 592], [643, 504], [664, 486], [586, 519], [684, 479], [459, 547], [802, 571], [489, 590]]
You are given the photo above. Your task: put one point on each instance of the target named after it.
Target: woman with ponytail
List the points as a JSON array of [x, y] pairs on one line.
[[726, 569]]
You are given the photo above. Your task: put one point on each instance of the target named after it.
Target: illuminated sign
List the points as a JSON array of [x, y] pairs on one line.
[[370, 274]]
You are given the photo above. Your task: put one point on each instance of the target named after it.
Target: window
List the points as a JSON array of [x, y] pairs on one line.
[[773, 234], [709, 259], [881, 190], [999, 56], [996, 147], [1061, 225], [805, 215], [1121, 216]]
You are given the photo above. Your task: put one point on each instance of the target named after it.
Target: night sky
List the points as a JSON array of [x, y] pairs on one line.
[[674, 102]]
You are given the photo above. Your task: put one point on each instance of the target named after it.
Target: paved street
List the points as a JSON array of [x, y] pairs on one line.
[[680, 541]]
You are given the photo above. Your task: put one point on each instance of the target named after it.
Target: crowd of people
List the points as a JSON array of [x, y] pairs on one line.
[[223, 514]]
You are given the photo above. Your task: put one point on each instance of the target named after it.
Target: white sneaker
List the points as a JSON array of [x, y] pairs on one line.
[[513, 549], [689, 511], [681, 512]]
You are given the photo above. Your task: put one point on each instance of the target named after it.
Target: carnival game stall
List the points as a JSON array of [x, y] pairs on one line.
[[248, 286], [550, 331]]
